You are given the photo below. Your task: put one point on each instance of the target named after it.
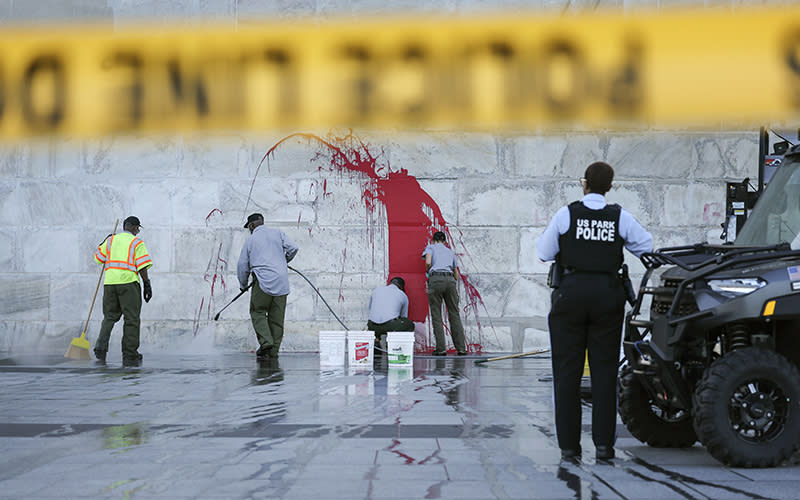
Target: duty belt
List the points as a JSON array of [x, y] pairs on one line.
[[572, 270], [441, 273]]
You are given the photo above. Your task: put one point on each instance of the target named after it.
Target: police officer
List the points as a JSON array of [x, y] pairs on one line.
[[586, 238]]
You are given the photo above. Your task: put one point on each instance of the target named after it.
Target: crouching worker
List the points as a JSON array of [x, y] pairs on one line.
[[388, 311]]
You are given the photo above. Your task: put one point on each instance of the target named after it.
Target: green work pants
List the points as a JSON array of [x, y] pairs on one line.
[[381, 330], [267, 313], [444, 288], [121, 300], [400, 324]]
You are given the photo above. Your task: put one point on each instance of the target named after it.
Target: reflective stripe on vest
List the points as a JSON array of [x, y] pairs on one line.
[[126, 265], [131, 263], [123, 255], [99, 255], [141, 261]]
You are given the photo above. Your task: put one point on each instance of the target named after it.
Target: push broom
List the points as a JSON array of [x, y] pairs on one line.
[[79, 347], [510, 356]]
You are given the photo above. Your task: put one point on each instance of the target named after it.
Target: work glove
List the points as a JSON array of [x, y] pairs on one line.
[[148, 291]]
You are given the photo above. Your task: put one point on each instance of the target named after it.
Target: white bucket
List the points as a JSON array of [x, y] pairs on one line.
[[332, 348], [360, 346], [400, 349]]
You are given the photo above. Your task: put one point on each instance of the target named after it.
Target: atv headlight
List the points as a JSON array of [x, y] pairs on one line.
[[735, 287]]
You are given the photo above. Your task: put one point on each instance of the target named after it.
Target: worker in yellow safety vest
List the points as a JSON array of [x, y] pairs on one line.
[[125, 257]]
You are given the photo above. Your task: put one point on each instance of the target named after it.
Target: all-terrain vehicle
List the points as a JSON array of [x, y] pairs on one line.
[[717, 357]]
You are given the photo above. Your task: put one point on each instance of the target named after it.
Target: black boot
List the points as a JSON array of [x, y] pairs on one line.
[[604, 452], [571, 454], [265, 352], [101, 356], [131, 361]]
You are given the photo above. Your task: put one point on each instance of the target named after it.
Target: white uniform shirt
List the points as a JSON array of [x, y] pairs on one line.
[[266, 253], [387, 303], [442, 258], [637, 239]]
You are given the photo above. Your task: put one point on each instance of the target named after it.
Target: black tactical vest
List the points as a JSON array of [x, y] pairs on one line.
[[592, 242]]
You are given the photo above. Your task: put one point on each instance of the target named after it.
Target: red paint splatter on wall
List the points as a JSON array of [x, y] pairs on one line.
[[215, 274], [412, 215], [713, 212], [212, 213], [197, 314]]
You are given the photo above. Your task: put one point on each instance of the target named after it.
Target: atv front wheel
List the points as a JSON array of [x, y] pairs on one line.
[[747, 408], [649, 422]]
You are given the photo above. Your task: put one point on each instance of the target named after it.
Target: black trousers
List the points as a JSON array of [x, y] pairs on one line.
[[587, 312]]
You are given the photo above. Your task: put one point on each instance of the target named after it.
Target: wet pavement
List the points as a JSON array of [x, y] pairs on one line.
[[227, 426]]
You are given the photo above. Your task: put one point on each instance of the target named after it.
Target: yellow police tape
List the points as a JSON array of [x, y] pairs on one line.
[[537, 72]]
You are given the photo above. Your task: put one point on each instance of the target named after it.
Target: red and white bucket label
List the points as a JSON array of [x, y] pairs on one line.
[[362, 351]]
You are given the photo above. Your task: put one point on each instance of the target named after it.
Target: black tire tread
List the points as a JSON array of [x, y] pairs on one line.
[[716, 378], [642, 423]]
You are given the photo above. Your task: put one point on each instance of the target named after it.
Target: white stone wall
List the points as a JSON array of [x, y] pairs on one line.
[[59, 198]]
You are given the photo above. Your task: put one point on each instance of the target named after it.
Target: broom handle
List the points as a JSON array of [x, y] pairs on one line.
[[519, 355], [98, 282]]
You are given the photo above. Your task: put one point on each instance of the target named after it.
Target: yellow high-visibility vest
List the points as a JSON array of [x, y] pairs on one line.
[[124, 256]]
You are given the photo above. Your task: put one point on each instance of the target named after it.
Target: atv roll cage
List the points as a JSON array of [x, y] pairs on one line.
[[700, 261]]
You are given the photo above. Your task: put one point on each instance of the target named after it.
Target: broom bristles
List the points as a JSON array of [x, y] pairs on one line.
[[78, 348], [75, 352]]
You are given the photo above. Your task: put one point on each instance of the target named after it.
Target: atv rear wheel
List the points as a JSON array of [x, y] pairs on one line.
[[649, 422], [747, 408]]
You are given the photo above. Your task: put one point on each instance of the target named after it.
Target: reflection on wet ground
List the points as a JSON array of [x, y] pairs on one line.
[[227, 426]]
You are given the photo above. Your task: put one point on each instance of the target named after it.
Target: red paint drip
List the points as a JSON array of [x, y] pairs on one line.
[[215, 271], [473, 298], [215, 211], [341, 275], [197, 317], [412, 215], [211, 276], [215, 274]]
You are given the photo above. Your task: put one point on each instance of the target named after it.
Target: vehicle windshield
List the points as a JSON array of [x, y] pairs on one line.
[[776, 216]]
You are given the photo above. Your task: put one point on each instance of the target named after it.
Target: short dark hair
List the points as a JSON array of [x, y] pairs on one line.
[[399, 282], [598, 177], [439, 236]]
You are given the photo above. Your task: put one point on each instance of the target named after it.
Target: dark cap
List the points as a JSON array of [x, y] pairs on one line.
[[253, 218], [131, 221]]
